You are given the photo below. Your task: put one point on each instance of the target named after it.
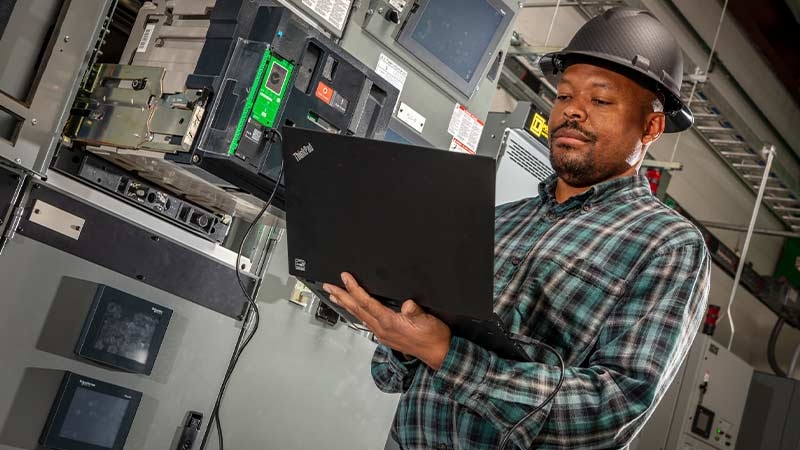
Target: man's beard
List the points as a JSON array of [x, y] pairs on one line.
[[578, 168], [580, 171]]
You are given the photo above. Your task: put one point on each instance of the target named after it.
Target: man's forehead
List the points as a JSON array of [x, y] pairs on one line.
[[595, 76]]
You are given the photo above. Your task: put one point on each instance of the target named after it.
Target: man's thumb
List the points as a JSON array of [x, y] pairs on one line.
[[410, 308]]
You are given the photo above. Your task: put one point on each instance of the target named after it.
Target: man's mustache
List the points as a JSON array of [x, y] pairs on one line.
[[573, 125]]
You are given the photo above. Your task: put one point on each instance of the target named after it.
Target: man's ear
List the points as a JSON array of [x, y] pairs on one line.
[[654, 127]]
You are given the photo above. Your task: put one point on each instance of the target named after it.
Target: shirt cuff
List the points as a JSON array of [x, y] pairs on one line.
[[463, 370], [399, 364]]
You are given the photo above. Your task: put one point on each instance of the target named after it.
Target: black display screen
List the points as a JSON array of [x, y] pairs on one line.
[[457, 47], [89, 414], [458, 40], [126, 332], [703, 421], [94, 418], [123, 331]]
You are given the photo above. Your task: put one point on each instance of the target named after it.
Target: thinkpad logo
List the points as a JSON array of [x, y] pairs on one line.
[[300, 264], [86, 383], [303, 152]]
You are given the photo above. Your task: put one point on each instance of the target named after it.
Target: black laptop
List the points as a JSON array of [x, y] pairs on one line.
[[408, 222]]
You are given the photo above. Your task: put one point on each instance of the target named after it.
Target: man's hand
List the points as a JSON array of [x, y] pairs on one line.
[[412, 331]]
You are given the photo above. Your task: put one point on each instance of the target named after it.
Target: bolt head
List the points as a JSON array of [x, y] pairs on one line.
[[66, 38], [195, 159], [34, 121]]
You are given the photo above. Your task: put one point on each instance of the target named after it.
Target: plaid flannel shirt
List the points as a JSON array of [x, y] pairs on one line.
[[612, 279]]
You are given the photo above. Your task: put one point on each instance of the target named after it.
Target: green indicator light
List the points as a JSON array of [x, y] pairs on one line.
[[719, 431]]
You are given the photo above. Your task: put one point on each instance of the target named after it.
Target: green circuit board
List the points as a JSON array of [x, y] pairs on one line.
[[266, 95]]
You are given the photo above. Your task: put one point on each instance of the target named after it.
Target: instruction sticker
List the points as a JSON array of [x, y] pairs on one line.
[[457, 146], [408, 116], [465, 128], [146, 36], [391, 72], [332, 11]]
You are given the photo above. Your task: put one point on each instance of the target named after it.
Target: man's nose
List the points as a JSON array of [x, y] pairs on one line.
[[575, 110]]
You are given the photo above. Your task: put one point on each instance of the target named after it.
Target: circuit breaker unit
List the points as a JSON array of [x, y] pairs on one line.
[[703, 408], [209, 135]]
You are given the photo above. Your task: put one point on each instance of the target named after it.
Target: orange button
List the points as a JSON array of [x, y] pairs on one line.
[[324, 92]]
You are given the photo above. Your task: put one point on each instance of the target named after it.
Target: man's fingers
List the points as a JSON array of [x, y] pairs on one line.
[[342, 298], [353, 287], [364, 300], [355, 306]]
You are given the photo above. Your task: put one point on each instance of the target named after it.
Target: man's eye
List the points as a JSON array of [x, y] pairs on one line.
[[598, 101], [562, 97]]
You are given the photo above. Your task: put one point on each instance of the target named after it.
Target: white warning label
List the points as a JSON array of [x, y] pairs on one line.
[[392, 72], [146, 36], [332, 11], [466, 130], [457, 146]]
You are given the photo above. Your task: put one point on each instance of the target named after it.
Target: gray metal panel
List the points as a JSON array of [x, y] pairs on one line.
[[767, 411], [8, 181], [138, 253], [303, 385], [655, 432], [496, 125], [728, 384], [73, 38], [300, 385], [176, 40], [45, 296], [669, 428], [690, 443], [772, 415], [424, 91], [791, 434]]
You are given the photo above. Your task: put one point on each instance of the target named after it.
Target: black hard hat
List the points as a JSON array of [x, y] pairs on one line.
[[635, 44]]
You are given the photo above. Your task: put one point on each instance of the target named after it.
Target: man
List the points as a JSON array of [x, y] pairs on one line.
[[594, 266]]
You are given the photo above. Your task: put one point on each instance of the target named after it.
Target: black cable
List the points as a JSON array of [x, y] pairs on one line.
[[773, 339], [220, 440], [507, 437], [252, 313]]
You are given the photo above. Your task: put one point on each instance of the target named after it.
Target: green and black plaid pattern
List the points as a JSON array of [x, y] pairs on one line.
[[613, 279]]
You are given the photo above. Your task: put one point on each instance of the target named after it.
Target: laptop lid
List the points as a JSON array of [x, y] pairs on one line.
[[406, 221]]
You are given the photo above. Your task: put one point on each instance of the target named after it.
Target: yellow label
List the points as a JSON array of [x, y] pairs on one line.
[[539, 126]]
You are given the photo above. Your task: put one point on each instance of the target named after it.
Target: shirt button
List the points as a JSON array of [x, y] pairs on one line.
[[515, 261], [551, 216], [586, 208]]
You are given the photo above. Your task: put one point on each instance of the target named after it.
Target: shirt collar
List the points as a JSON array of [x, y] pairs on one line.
[[632, 186]]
